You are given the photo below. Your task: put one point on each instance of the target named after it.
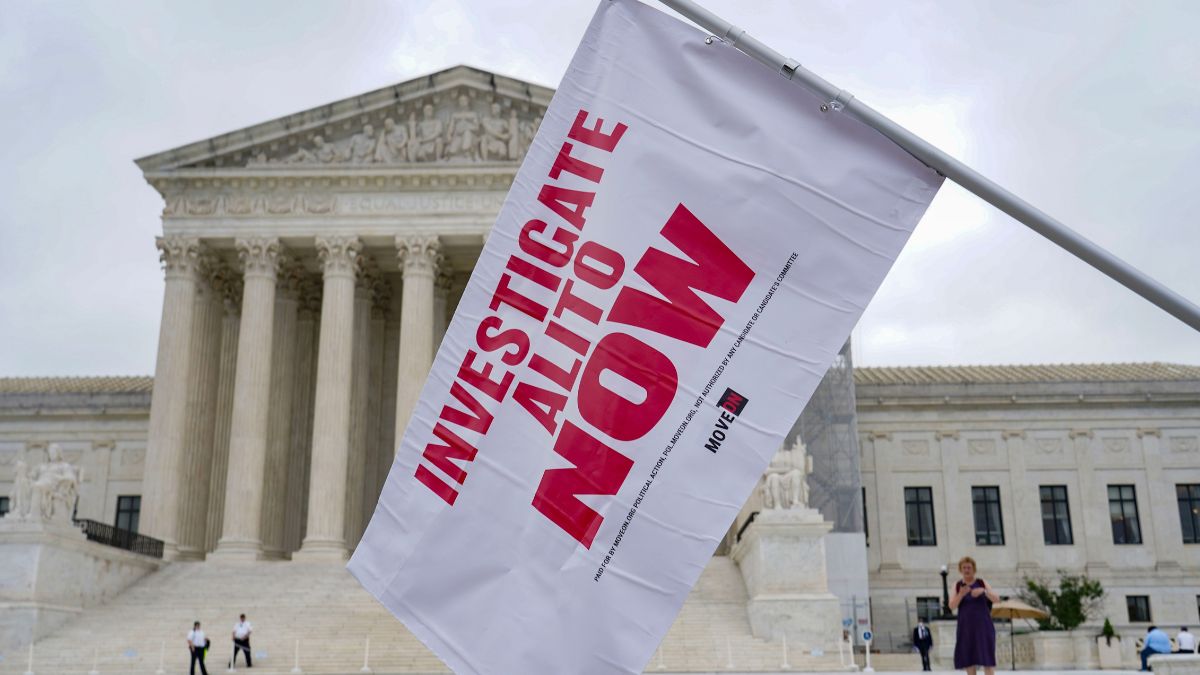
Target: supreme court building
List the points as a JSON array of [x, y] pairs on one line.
[[312, 263]]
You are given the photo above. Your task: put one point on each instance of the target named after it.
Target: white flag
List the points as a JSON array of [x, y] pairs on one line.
[[684, 250]]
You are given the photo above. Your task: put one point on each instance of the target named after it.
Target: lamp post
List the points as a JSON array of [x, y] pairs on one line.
[[945, 594]]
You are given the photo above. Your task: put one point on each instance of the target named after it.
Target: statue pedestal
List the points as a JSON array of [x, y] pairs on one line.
[[49, 572], [782, 558]]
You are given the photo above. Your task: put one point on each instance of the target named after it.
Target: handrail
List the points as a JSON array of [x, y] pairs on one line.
[[109, 535]]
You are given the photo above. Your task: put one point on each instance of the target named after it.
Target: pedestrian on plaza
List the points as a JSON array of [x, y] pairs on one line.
[[975, 642], [1157, 642], [1185, 642], [923, 640], [241, 641], [197, 645]]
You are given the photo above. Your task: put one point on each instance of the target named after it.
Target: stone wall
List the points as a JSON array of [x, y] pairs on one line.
[[50, 574]]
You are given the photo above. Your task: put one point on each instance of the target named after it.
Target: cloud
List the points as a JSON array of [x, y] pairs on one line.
[[1088, 110]]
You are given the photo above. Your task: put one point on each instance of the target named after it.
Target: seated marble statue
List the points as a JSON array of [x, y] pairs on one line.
[[785, 483], [53, 489], [463, 133]]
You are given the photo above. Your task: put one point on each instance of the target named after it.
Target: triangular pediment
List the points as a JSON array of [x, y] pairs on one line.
[[461, 115]]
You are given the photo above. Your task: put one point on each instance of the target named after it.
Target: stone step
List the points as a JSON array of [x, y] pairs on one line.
[[324, 608]]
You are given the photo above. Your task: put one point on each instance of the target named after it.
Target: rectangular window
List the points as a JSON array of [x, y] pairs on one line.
[[3, 506], [1056, 516], [989, 525], [918, 512], [1189, 511], [929, 608], [128, 509], [1139, 608], [1123, 511]]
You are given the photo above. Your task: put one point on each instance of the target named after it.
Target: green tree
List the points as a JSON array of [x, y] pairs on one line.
[[1076, 599]]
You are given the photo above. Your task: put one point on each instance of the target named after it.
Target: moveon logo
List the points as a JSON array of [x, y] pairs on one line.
[[731, 404]]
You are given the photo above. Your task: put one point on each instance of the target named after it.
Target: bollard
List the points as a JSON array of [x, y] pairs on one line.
[[728, 654], [296, 662], [785, 665], [29, 671], [366, 658], [162, 658]]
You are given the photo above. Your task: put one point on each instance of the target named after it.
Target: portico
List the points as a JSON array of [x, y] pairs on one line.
[[312, 264]]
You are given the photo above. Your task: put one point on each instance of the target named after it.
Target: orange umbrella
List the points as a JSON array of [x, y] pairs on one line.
[[1015, 609]]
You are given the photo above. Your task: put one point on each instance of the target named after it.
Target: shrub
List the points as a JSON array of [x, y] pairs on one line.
[[1076, 599], [1107, 632]]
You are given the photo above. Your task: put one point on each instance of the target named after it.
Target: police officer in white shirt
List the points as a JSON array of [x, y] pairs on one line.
[[241, 641], [1185, 642], [197, 643]]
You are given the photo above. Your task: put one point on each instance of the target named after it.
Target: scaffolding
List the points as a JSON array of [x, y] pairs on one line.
[[828, 426]]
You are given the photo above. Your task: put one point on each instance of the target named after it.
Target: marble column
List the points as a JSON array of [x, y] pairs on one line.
[[230, 324], [241, 535], [165, 442], [387, 403], [325, 537], [381, 298], [420, 256], [302, 411], [200, 417], [441, 304], [359, 389], [279, 418]]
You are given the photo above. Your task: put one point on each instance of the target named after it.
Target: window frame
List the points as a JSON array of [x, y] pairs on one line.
[[1125, 504], [1189, 516], [988, 496], [923, 604], [1056, 517], [920, 504], [133, 512], [1131, 601]]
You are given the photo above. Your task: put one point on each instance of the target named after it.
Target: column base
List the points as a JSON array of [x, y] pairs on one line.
[[186, 554], [237, 551], [321, 551]]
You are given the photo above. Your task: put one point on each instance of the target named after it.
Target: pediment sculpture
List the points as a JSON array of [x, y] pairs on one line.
[[461, 133], [48, 492], [784, 485]]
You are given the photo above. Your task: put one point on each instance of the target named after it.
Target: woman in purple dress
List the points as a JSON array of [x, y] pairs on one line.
[[976, 636]]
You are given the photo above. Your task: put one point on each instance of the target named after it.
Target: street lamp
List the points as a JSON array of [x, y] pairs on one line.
[[945, 595]]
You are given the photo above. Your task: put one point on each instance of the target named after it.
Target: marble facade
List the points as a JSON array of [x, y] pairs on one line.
[[1018, 428]]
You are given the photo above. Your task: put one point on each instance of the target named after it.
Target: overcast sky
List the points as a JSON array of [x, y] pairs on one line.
[[1088, 109]]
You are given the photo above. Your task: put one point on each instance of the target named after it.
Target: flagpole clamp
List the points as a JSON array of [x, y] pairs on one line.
[[788, 69], [839, 102]]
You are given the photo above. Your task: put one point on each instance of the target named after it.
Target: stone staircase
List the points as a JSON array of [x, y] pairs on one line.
[[323, 607]]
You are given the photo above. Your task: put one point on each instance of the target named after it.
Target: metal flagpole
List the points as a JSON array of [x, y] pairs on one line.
[[1036, 220]]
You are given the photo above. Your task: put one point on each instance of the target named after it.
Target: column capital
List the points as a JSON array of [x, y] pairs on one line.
[[260, 256], [368, 274], [419, 253], [381, 297], [228, 284], [310, 297], [338, 255], [180, 256], [289, 277], [444, 279]]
